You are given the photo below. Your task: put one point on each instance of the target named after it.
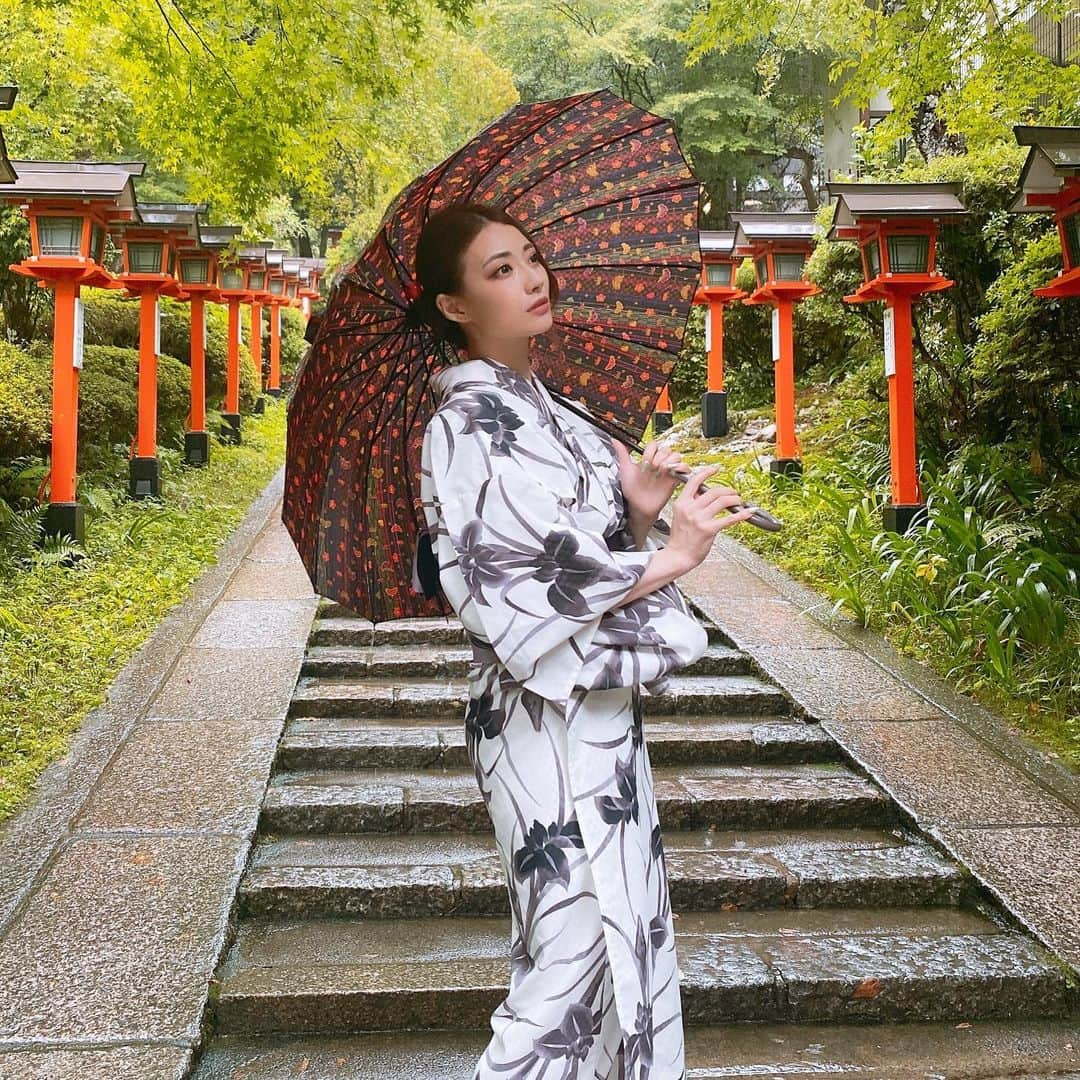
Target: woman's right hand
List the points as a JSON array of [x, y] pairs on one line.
[[698, 517]]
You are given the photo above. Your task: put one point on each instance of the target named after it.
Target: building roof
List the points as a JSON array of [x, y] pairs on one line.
[[758, 227], [7, 172], [76, 180], [1053, 156], [856, 201]]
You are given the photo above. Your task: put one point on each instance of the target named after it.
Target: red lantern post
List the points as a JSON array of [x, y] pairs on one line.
[[896, 228], [231, 292], [253, 260], [1050, 183], [70, 207], [276, 285], [779, 244], [717, 289]]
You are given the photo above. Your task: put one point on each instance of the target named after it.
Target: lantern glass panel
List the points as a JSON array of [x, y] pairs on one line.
[[144, 258], [761, 269], [292, 287], [789, 265], [60, 236], [257, 280], [872, 253], [717, 274], [909, 254], [97, 243], [195, 271], [1072, 239], [277, 286], [232, 278]]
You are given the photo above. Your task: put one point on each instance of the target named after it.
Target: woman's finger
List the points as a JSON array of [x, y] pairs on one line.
[[694, 481], [727, 520]]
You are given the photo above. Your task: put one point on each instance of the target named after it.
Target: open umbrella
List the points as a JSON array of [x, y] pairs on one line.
[[604, 190]]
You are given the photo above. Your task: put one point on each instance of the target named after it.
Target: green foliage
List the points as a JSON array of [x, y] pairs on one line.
[[65, 631], [24, 404]]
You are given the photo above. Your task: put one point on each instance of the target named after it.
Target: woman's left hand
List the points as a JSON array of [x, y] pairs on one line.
[[647, 484]]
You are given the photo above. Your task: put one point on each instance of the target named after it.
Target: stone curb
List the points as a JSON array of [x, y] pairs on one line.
[[1000, 806], [118, 877]]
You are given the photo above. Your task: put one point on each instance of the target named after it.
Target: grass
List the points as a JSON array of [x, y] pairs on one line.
[[65, 633], [978, 593]]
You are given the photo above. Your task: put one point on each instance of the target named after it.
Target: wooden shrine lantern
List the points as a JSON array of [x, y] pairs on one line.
[[276, 288], [70, 207], [230, 291], [719, 266], [256, 281], [291, 269], [896, 229], [7, 100], [148, 247], [1050, 183], [779, 245]]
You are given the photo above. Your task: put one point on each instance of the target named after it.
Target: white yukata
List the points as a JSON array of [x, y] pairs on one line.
[[527, 523]]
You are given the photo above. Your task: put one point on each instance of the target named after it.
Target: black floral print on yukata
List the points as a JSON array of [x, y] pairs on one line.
[[491, 414], [478, 560], [482, 721], [572, 1038], [543, 854], [569, 572], [639, 1047], [621, 808]]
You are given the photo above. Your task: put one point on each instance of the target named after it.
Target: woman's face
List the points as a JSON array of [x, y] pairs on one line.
[[504, 287]]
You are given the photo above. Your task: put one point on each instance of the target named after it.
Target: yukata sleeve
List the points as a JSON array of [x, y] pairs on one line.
[[539, 576]]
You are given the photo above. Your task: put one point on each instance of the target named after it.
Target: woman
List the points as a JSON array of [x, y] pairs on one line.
[[548, 547]]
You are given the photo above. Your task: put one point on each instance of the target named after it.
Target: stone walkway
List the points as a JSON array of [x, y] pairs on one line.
[[860, 862]]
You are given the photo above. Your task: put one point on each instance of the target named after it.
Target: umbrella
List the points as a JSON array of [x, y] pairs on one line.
[[604, 190]]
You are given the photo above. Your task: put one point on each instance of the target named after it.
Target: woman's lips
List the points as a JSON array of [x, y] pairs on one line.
[[541, 305]]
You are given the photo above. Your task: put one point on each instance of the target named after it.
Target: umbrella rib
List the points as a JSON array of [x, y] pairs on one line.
[[547, 120], [584, 154]]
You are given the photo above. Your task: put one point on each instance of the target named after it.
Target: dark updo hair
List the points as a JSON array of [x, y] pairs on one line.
[[443, 240]]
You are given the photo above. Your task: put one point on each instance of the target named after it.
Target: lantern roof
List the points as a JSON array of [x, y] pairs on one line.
[[759, 227], [858, 202], [179, 220], [218, 236], [7, 170], [275, 257], [714, 242], [291, 267], [1053, 157], [90, 180]]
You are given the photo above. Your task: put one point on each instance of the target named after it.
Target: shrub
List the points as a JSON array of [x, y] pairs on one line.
[[24, 404]]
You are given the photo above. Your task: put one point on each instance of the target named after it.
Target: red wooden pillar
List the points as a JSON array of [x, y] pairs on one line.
[[787, 443], [274, 383]]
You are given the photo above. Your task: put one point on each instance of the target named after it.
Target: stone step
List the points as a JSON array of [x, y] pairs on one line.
[[386, 742], [909, 964], [991, 1049], [334, 627], [459, 874], [687, 695], [694, 796], [404, 662]]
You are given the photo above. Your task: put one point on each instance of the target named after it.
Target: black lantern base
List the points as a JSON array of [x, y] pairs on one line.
[[65, 519], [197, 448], [661, 421], [230, 428], [144, 479], [896, 517], [789, 467], [274, 391], [714, 414], [260, 406]]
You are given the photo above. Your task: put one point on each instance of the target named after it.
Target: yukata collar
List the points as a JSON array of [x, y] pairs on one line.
[[484, 369]]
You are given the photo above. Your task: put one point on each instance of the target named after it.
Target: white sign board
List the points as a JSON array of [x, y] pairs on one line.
[[239, 330], [890, 342], [708, 331], [77, 345], [776, 335], [157, 328]]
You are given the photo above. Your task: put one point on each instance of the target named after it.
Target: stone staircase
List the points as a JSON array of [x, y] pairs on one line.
[[373, 928]]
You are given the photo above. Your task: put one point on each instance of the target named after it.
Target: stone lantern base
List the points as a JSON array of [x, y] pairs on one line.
[[230, 429], [144, 478], [197, 448], [714, 422]]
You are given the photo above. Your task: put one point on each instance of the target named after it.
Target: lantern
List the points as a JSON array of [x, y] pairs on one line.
[[779, 245], [717, 289], [1050, 183], [70, 207], [896, 229]]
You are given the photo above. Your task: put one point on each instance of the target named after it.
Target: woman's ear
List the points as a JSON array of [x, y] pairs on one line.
[[450, 307]]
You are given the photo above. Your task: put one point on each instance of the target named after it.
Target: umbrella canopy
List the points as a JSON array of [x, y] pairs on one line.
[[603, 189]]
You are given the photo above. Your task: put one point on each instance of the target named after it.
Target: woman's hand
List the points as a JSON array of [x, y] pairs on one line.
[[646, 484]]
